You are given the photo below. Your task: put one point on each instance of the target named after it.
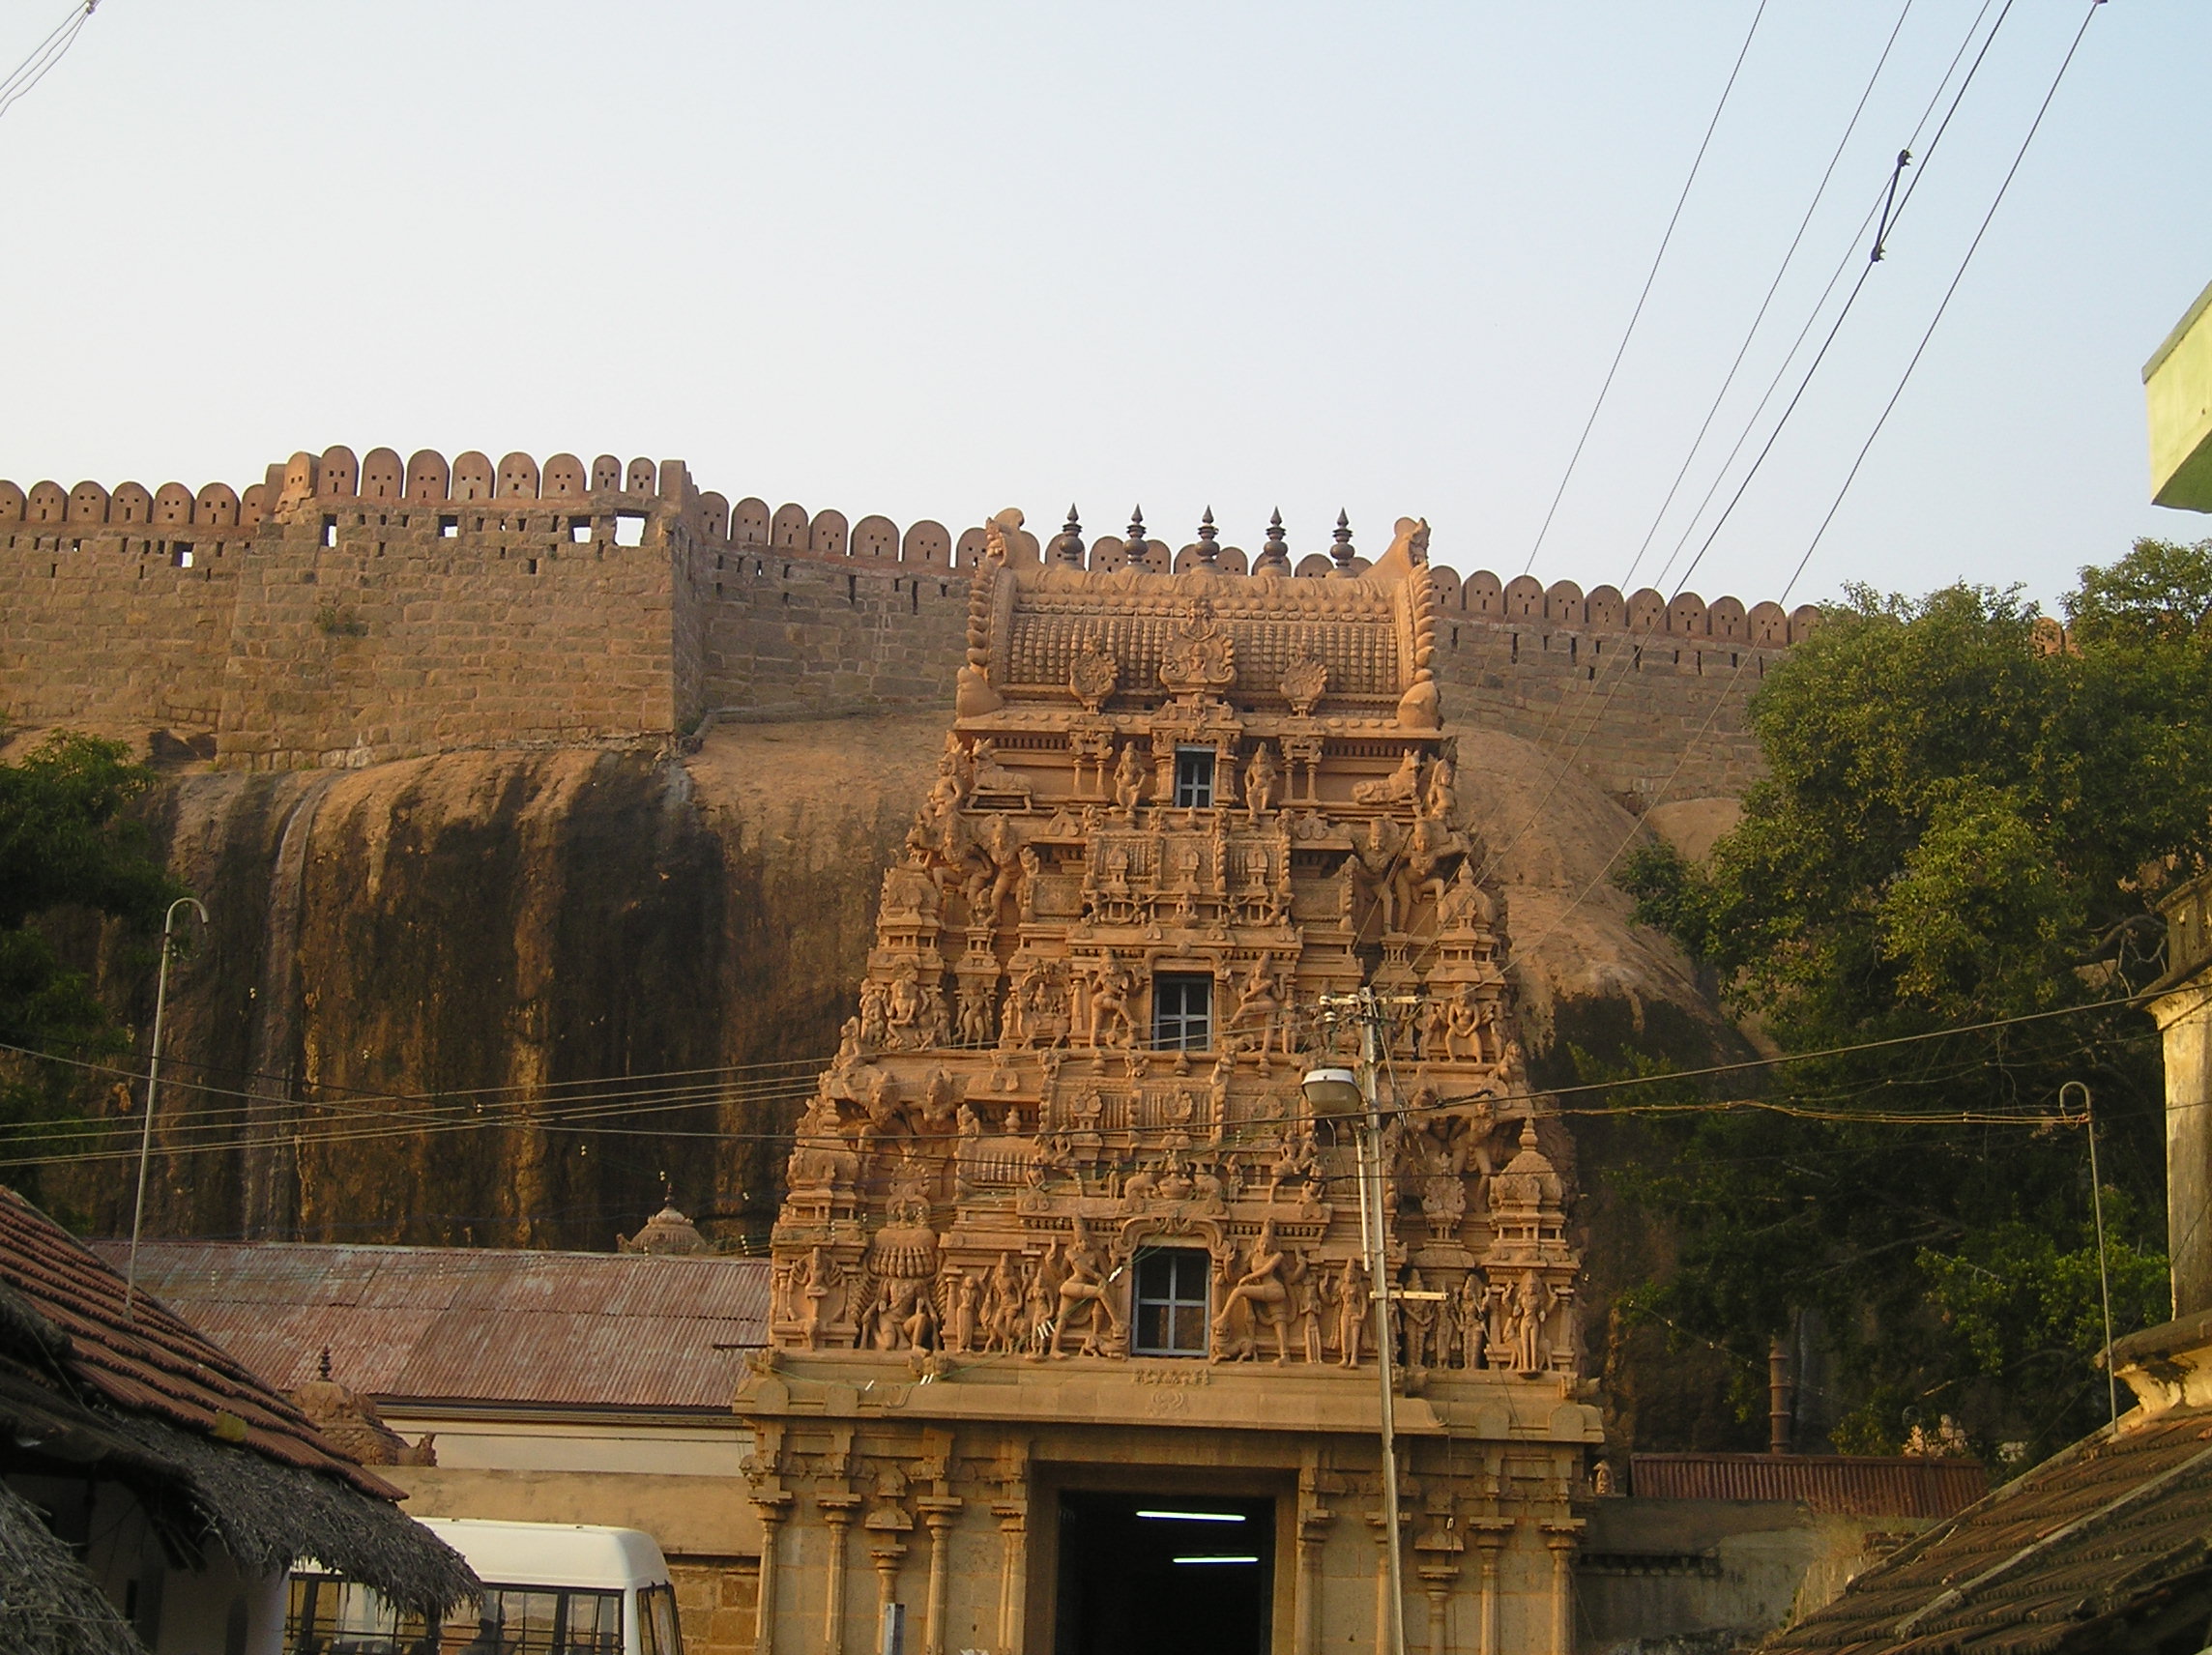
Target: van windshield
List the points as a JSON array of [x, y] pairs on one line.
[[328, 1615]]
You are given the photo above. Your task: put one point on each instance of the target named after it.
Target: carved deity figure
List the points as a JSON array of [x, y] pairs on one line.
[[964, 1303], [1429, 846], [1004, 1311], [998, 870], [1528, 1304], [1441, 800], [1260, 1288], [1111, 1021], [1373, 865], [1353, 1312], [1474, 1322], [1038, 1305], [1259, 1010], [975, 1015], [1129, 772], [1295, 1160], [1082, 1291], [1260, 779], [874, 1006], [824, 1277], [1418, 1320], [1463, 1027]]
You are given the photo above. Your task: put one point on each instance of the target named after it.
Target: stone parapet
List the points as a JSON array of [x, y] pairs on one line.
[[345, 610]]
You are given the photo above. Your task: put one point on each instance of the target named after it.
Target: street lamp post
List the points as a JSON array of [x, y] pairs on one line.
[[1342, 1093], [153, 1086]]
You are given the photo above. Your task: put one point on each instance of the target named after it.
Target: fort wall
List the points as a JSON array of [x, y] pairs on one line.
[[348, 610]]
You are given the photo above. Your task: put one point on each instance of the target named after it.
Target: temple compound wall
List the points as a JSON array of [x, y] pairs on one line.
[[1070, 1325], [343, 611]]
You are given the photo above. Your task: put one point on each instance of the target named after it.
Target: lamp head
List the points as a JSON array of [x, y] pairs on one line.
[[1333, 1091]]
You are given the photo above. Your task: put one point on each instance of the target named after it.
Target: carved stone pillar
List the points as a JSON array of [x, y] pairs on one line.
[[1383, 1585], [773, 1510], [1437, 1581], [837, 1512], [1562, 1538], [885, 1555], [1013, 1571], [1490, 1535], [939, 1514], [1313, 1537], [1438, 1551]]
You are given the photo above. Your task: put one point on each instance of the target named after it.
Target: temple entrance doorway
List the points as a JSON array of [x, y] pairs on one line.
[[1163, 1575]]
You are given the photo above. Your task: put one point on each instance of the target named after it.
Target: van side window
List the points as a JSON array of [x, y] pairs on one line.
[[657, 1631]]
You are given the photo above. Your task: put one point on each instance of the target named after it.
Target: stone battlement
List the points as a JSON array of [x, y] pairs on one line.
[[346, 610]]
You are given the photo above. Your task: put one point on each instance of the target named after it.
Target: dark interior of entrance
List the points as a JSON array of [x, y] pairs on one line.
[[1163, 1575]]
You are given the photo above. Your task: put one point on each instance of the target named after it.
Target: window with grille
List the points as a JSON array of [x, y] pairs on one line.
[[1182, 1013], [1194, 779], [1172, 1284], [328, 1614]]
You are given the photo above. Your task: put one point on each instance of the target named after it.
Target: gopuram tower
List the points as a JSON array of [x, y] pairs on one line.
[[1072, 1337]]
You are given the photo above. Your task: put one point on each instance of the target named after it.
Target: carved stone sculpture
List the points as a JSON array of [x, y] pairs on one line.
[[1083, 1293], [1262, 1291], [1304, 679]]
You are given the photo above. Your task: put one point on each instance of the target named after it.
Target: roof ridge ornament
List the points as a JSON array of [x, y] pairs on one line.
[[1068, 545], [1133, 553], [1275, 555], [1342, 552]]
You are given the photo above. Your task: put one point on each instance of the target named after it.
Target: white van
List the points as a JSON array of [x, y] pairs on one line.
[[550, 1588]]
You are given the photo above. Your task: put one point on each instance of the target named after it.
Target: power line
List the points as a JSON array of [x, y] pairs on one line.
[[1781, 270], [1834, 506], [568, 1122], [1625, 663], [1650, 276], [44, 55]]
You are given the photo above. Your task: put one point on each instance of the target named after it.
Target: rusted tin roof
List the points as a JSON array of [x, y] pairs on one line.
[[152, 1363], [1847, 1485], [2104, 1546], [472, 1325]]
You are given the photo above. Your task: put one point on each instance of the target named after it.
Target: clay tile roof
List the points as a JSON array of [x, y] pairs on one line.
[[474, 1326], [152, 1363], [2107, 1534]]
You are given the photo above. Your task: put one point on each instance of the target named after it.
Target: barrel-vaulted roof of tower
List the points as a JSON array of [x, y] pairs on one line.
[[1261, 642]]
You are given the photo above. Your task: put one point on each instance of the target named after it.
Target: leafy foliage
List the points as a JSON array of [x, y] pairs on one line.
[[1965, 824], [66, 841]]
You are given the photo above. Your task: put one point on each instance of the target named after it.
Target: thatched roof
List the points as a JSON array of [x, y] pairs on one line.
[[48, 1605], [211, 1452]]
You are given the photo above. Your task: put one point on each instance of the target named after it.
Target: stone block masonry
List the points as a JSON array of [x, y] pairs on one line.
[[344, 612]]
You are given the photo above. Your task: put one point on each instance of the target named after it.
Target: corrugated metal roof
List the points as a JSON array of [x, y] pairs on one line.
[[1847, 1485], [2109, 1531], [154, 1363], [472, 1325]]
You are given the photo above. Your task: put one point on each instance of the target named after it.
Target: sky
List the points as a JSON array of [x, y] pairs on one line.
[[931, 260]]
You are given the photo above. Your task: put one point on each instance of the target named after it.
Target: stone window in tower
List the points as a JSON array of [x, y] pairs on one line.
[[1182, 1013], [1194, 779], [1172, 1301]]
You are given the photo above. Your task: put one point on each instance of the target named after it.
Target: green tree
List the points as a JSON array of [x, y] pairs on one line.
[[68, 842], [1964, 824]]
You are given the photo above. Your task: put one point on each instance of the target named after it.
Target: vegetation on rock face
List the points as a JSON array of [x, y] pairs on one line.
[[67, 842], [1965, 825]]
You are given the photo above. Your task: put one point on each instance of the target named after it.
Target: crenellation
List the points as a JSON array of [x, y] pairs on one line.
[[383, 608]]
